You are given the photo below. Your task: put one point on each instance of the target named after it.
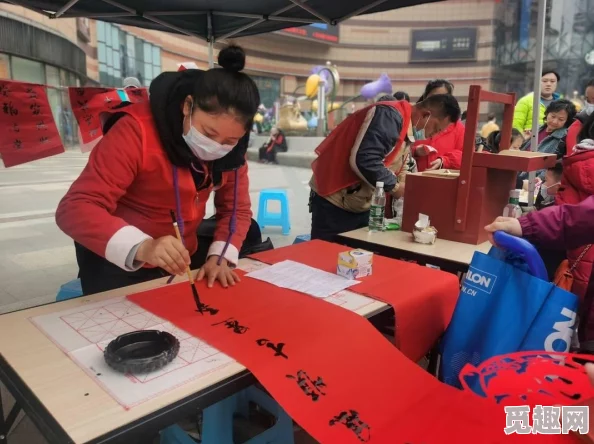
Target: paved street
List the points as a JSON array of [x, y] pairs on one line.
[[36, 257]]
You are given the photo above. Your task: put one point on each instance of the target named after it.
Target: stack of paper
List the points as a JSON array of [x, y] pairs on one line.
[[303, 278]]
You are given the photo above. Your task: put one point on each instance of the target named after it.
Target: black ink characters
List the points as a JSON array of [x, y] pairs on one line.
[[207, 308], [278, 348], [35, 109], [9, 109], [233, 324], [352, 422], [311, 388]]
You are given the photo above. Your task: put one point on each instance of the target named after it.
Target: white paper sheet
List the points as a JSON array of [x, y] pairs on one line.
[[84, 332], [302, 278]]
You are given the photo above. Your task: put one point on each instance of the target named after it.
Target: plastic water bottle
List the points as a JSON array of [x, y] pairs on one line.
[[378, 207], [513, 209]]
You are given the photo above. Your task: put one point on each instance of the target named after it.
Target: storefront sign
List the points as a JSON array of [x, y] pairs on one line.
[[320, 32], [446, 44]]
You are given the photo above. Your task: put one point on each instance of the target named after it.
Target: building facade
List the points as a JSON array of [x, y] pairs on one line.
[[454, 39], [568, 46]]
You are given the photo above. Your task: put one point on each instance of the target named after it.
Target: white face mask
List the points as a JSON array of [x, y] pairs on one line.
[[204, 147], [589, 108], [544, 190]]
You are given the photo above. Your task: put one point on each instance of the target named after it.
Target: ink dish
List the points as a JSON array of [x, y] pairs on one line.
[[141, 351]]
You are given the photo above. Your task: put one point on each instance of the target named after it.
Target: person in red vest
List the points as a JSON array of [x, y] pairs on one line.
[[167, 155], [357, 154]]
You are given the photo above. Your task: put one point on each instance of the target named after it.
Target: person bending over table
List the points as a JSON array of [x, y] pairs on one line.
[[357, 154], [167, 155], [434, 147]]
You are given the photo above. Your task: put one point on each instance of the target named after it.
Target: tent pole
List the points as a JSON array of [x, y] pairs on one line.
[[538, 57], [321, 129], [65, 8], [210, 41], [312, 11]]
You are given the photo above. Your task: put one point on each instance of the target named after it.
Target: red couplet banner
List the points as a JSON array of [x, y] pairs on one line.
[[329, 368], [423, 299], [92, 106], [27, 125]]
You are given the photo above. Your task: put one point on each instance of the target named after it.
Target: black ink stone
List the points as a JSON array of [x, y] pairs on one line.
[[141, 351]]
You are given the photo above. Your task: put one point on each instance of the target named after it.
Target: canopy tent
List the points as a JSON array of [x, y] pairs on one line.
[[214, 19]]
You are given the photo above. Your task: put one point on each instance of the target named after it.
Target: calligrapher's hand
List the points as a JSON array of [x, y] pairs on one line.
[[436, 164], [223, 273], [166, 252], [510, 225]]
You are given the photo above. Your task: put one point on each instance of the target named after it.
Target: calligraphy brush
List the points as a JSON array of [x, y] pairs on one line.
[[192, 283]]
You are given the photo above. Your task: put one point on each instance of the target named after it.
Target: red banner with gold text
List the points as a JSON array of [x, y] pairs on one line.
[[27, 125]]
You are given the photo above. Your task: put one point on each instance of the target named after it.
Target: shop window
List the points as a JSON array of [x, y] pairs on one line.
[[27, 70], [122, 55], [52, 76]]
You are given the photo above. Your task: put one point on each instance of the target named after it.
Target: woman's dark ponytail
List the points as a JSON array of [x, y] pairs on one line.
[[232, 58], [227, 89]]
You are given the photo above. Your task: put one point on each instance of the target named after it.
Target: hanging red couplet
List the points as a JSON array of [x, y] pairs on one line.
[[92, 106], [27, 125]]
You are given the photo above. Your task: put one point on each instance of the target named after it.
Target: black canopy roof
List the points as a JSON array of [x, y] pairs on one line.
[[219, 19]]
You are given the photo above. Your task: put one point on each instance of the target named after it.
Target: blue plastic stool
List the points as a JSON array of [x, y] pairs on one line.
[[274, 219], [302, 238], [69, 290], [217, 421]]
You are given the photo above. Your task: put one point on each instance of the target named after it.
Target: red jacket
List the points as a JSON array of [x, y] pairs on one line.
[[572, 135], [332, 169], [577, 184], [125, 194], [448, 143]]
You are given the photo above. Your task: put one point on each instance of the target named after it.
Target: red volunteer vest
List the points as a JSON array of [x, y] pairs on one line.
[[331, 169]]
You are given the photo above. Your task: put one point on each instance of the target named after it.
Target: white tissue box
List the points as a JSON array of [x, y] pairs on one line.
[[355, 264]]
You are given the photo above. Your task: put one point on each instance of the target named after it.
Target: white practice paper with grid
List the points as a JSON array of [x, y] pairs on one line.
[[84, 332]]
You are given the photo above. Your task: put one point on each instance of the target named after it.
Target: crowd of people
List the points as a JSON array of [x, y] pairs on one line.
[[192, 138], [392, 137]]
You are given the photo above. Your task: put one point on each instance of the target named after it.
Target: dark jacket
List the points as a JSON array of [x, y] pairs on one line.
[[379, 140], [566, 227]]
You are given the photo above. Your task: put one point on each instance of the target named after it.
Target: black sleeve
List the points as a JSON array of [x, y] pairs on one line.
[[379, 140]]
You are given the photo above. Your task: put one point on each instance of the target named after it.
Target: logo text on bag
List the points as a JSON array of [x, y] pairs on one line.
[[560, 339], [479, 280]]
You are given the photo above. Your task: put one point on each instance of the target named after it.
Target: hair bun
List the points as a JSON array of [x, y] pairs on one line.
[[232, 58]]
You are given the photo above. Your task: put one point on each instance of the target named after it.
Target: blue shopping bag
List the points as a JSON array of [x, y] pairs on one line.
[[504, 308]]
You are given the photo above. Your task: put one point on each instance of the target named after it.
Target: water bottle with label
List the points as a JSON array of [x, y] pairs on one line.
[[513, 209], [378, 207]]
